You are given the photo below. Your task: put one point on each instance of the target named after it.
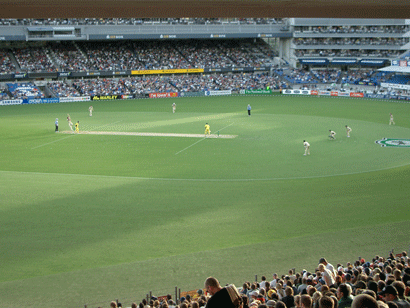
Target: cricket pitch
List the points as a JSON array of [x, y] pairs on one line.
[[151, 134]]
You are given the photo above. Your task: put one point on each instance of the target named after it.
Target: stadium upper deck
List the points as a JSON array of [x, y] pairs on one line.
[[52, 48]]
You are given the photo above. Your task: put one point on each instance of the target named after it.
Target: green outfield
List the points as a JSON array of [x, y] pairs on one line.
[[109, 214]]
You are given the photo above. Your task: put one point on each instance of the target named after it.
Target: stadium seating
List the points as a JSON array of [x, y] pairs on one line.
[[80, 56], [399, 79], [24, 90], [359, 276], [164, 84]]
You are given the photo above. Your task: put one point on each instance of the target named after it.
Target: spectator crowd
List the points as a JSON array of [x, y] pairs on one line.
[[82, 56], [140, 86], [379, 283]]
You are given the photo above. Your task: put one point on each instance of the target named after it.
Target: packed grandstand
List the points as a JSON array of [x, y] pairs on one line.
[[386, 280], [57, 58]]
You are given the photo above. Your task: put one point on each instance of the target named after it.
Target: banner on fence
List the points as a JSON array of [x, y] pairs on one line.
[[213, 93], [40, 100], [75, 99], [105, 97], [297, 92], [161, 95], [11, 102], [255, 92]]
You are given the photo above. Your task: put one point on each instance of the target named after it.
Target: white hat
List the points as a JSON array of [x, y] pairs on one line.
[[254, 293]]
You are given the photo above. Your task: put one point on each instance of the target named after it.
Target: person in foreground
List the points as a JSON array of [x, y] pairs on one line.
[[219, 296], [364, 301]]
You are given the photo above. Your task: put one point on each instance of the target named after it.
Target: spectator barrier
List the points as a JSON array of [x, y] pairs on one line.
[[255, 92], [7, 102], [345, 94]]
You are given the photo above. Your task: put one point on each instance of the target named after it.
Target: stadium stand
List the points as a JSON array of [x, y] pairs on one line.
[[226, 62], [33, 59], [101, 87], [163, 84], [62, 89], [399, 79], [6, 65], [24, 90], [378, 278], [299, 76], [137, 55], [359, 77], [131, 21], [327, 76]]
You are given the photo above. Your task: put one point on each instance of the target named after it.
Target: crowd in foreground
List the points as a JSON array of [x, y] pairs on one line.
[[379, 283]]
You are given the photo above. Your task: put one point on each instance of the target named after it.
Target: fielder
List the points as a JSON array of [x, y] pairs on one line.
[[77, 127], [90, 109], [307, 147], [332, 134], [391, 120], [69, 122], [348, 130], [207, 129], [174, 107]]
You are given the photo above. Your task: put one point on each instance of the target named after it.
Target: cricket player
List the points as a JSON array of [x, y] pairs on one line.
[[174, 107], [56, 123], [69, 122], [391, 120], [348, 130], [332, 134], [90, 109], [77, 127], [249, 110], [307, 147], [207, 129]]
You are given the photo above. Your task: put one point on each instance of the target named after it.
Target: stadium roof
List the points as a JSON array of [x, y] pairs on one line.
[[396, 9]]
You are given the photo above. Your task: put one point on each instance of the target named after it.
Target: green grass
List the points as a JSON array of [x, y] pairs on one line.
[[86, 219]]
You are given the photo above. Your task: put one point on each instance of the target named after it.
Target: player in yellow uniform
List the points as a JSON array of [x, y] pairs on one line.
[[207, 129], [77, 127]]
